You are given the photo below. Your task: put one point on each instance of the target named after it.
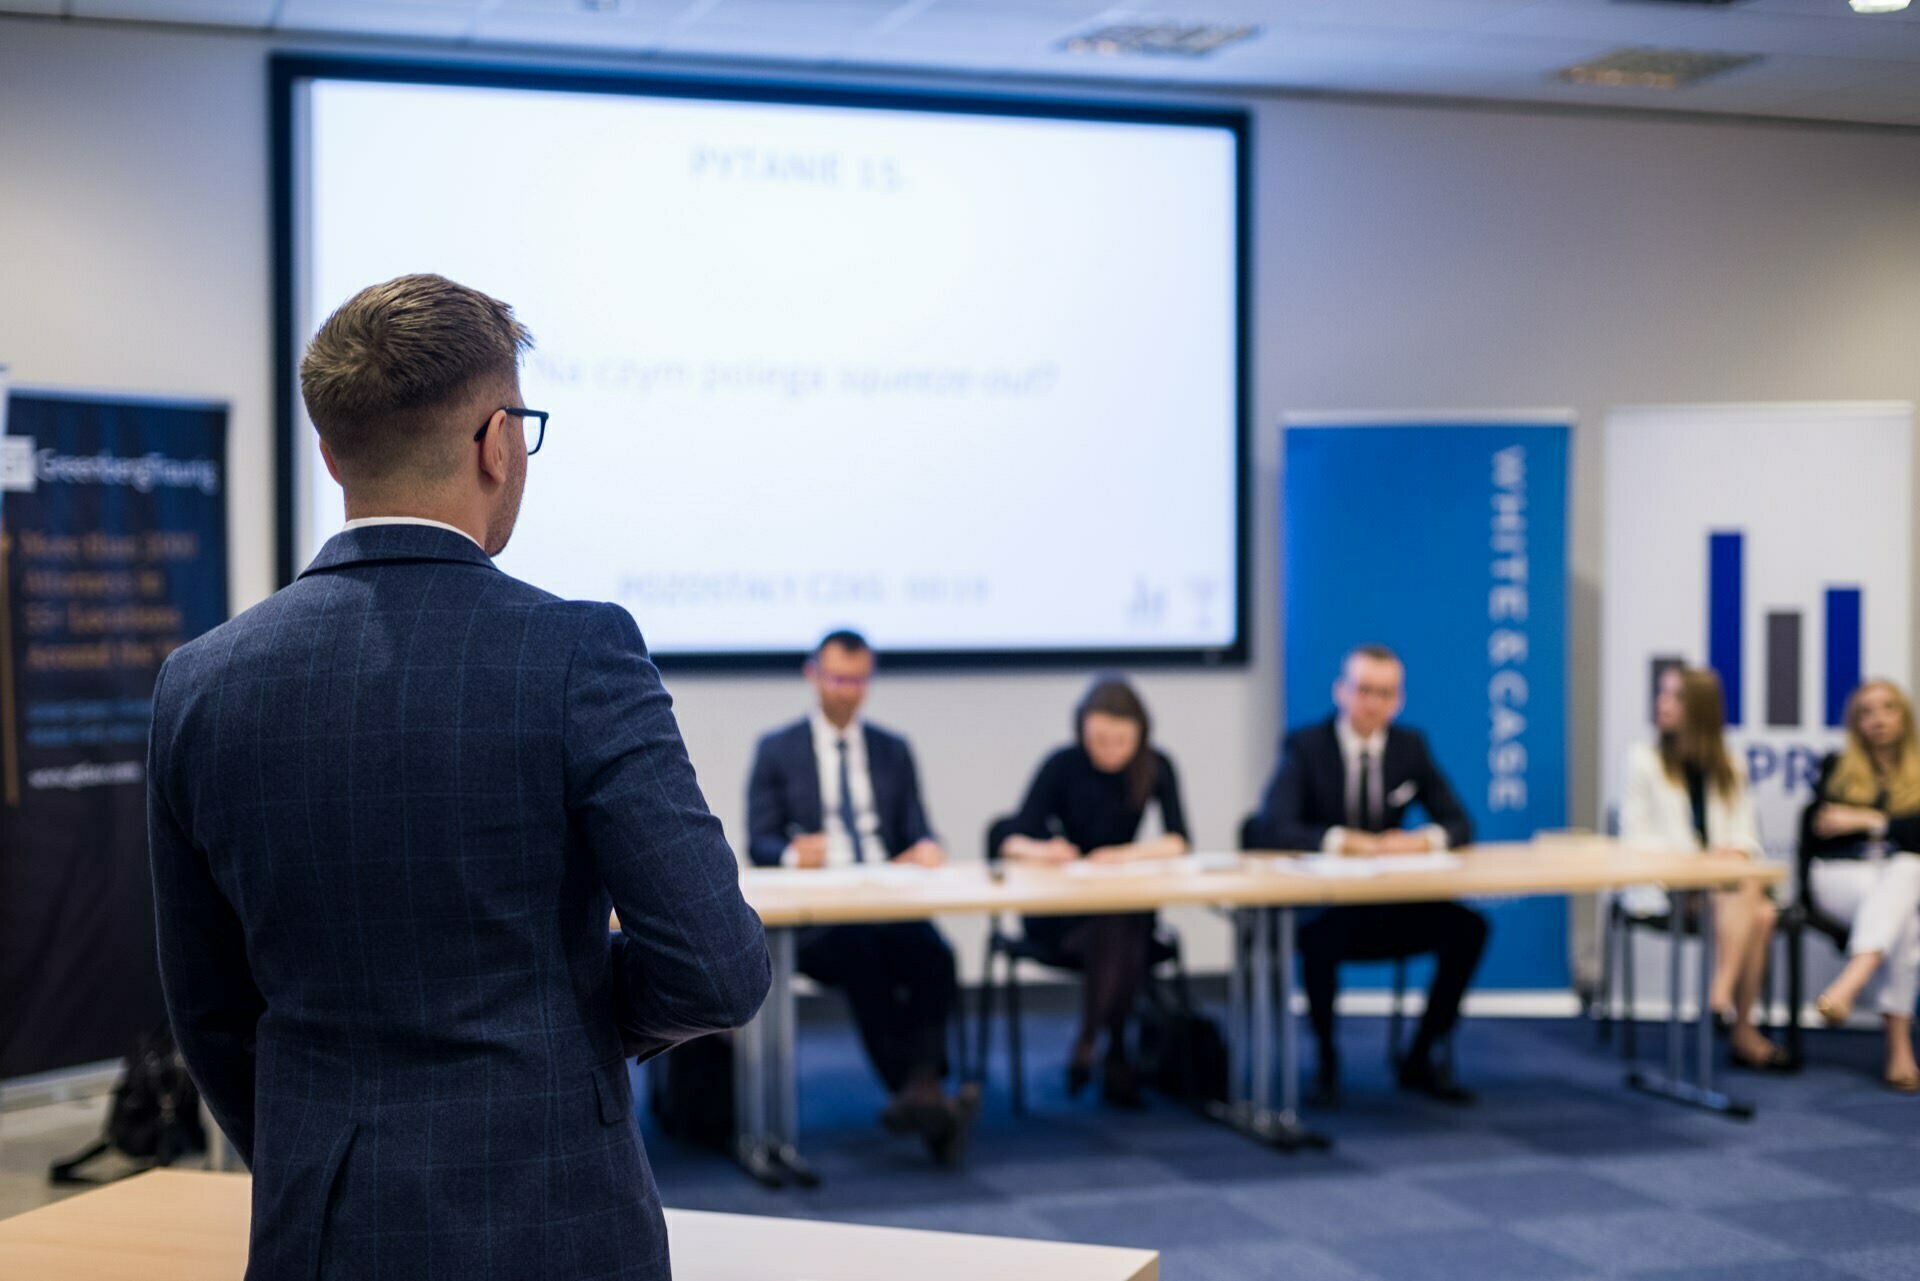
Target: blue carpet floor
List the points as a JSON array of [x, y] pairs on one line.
[[1559, 1173]]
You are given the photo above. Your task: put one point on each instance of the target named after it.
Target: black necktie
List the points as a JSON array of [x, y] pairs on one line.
[[847, 819], [1365, 803]]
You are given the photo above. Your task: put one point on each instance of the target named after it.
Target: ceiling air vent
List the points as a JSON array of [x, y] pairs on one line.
[[1165, 39], [1653, 68], [1698, 4]]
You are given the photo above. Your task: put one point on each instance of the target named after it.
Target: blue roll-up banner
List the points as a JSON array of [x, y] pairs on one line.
[[113, 553], [1446, 540]]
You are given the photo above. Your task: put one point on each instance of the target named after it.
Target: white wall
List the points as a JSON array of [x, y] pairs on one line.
[[1410, 257]]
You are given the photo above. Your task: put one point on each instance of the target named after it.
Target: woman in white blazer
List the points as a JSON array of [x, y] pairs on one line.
[[1859, 835], [1685, 791]]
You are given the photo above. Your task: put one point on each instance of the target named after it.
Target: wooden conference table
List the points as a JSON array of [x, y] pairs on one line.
[[180, 1225], [1261, 893]]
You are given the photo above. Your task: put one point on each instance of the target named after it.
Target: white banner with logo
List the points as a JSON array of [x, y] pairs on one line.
[[1773, 544]]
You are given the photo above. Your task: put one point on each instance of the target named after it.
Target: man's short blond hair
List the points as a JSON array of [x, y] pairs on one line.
[[387, 372]]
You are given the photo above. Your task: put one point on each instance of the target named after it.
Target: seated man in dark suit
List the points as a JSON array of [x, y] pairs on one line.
[[833, 790], [1344, 787]]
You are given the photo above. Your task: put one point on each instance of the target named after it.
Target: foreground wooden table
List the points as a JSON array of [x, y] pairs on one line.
[[177, 1225], [1260, 891]]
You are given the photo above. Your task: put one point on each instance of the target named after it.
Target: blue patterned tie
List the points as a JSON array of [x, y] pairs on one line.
[[846, 806]]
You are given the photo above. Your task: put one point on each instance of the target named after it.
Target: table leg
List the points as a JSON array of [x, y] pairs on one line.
[[1261, 987], [1263, 1012], [1237, 1010], [785, 1082], [220, 1153], [1673, 1085], [751, 1144]]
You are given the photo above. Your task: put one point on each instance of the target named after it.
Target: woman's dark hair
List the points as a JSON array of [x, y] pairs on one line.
[[1111, 695]]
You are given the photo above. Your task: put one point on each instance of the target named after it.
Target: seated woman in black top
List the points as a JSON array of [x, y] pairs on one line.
[[1860, 834], [1088, 802]]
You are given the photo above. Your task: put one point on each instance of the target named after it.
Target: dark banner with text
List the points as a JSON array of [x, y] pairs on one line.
[[113, 553]]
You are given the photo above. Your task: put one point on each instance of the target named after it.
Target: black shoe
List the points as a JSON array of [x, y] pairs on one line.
[[1120, 1086], [949, 1148], [1079, 1077], [917, 1112], [1421, 1076], [1325, 1095]]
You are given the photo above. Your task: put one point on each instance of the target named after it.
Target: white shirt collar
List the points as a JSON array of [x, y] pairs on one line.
[[1351, 744], [368, 522], [825, 731]]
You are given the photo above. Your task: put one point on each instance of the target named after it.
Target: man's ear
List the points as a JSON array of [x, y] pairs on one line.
[[493, 449], [333, 468]]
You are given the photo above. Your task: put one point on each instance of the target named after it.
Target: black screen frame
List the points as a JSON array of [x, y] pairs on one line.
[[287, 72]]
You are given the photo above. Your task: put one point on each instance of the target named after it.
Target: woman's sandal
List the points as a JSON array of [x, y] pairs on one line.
[[1908, 1083], [1776, 1060]]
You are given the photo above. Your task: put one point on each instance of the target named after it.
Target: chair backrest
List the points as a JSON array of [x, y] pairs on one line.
[[997, 833], [1816, 917]]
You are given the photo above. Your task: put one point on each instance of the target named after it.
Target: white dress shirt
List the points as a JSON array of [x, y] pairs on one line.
[[866, 813], [1374, 746], [368, 522]]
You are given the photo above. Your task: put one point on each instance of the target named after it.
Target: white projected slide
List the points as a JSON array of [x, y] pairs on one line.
[[966, 382]]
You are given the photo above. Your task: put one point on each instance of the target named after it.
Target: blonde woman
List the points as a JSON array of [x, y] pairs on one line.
[[1859, 834], [1686, 791]]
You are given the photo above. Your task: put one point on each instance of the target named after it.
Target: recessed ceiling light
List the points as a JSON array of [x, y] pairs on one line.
[[1653, 68], [1176, 39], [1877, 6]]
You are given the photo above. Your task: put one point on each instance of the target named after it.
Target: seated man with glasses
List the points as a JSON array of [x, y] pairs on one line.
[[834, 790]]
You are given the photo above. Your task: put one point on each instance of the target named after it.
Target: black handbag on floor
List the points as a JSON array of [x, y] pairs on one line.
[[154, 1118], [1182, 1052]]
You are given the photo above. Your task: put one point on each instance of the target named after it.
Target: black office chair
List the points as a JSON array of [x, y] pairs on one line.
[[1012, 948], [1803, 915], [1616, 949], [1396, 1012]]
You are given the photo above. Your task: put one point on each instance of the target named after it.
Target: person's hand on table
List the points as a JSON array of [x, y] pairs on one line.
[[1360, 844], [1848, 820], [1111, 854], [809, 850], [1403, 843], [925, 853], [1024, 849]]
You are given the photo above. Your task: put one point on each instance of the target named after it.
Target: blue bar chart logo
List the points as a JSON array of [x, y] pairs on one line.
[[1783, 701]]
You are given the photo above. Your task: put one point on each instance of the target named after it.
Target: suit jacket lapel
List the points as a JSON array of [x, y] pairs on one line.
[[807, 770]]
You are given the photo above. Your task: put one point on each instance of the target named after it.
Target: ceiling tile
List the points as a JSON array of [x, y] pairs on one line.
[[442, 19], [566, 23], [1401, 15], [1845, 35], [1588, 19], [244, 13], [791, 15]]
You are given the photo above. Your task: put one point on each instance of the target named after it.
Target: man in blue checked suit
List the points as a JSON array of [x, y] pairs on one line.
[[835, 790], [391, 808]]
